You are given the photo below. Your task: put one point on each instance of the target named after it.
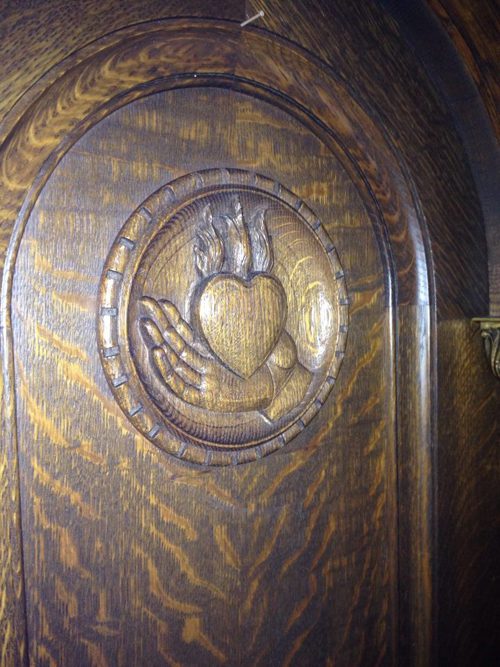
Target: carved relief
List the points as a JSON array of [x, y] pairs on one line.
[[239, 309], [223, 317]]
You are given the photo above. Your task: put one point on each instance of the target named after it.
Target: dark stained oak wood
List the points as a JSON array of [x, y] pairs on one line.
[[463, 70], [473, 28], [425, 135], [327, 550], [237, 368], [261, 547], [422, 133], [31, 47], [469, 504]]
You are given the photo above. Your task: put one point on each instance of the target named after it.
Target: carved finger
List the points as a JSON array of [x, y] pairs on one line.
[[184, 350], [150, 332], [173, 380], [175, 331], [177, 321], [284, 354], [188, 374], [152, 309]]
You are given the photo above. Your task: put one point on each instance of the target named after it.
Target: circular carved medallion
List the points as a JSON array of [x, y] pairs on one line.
[[223, 316]]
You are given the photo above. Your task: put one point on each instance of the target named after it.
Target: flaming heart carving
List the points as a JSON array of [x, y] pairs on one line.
[[240, 309], [235, 355]]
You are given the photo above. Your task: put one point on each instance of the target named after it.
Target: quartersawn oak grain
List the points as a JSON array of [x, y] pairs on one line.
[[227, 560], [365, 46], [258, 56]]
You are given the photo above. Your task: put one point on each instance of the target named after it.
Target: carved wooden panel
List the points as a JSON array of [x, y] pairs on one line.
[[201, 220], [223, 316], [254, 529]]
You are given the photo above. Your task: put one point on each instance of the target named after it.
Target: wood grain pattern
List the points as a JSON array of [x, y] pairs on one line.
[[460, 69], [468, 500], [400, 215], [415, 118], [88, 493], [249, 565], [101, 84], [69, 26], [422, 128], [473, 27], [13, 650]]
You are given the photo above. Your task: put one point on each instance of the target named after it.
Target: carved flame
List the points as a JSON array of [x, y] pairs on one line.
[[209, 253], [262, 250], [231, 245]]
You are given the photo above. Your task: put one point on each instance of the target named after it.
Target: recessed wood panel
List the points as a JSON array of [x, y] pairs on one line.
[[132, 556]]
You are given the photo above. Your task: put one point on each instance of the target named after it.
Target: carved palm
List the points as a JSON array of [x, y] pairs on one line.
[[197, 377]]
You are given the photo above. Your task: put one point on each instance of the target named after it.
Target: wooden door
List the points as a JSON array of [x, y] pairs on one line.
[[217, 339]]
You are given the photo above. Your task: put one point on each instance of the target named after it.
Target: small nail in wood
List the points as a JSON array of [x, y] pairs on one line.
[[252, 18]]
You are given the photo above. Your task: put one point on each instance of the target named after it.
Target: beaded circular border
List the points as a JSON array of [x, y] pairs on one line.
[[116, 280]]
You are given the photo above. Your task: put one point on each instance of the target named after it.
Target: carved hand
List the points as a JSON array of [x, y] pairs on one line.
[[189, 372]]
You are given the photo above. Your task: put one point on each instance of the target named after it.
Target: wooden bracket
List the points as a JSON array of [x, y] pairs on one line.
[[490, 333]]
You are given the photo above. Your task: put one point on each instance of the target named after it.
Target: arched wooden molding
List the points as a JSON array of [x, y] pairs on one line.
[[151, 58]]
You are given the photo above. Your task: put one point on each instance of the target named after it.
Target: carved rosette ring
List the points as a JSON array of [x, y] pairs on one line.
[[223, 317]]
